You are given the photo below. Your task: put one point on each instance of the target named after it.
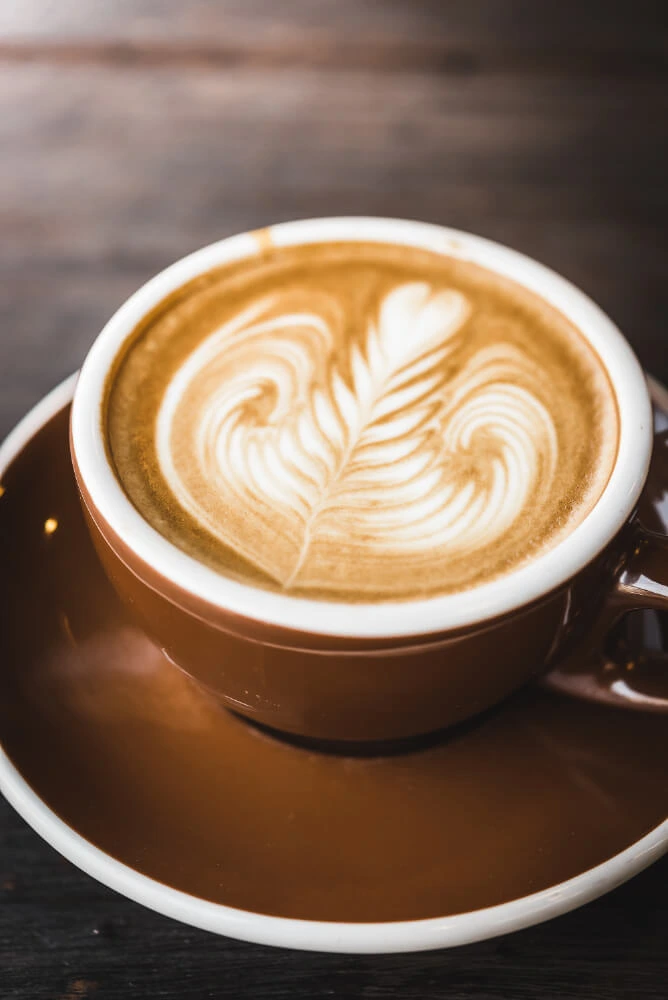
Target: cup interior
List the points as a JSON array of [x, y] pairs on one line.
[[386, 619]]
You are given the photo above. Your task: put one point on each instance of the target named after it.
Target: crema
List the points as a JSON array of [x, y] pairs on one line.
[[360, 422]]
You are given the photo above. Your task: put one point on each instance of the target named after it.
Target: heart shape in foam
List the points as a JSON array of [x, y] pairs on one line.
[[305, 460]]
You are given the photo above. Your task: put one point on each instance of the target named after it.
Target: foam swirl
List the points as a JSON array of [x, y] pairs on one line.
[[305, 462]]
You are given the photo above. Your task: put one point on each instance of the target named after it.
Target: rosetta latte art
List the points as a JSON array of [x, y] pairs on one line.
[[301, 460]]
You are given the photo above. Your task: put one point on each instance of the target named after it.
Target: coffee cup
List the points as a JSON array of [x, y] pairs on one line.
[[483, 528]]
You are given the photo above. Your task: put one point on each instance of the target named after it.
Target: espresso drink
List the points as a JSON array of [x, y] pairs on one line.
[[360, 422]]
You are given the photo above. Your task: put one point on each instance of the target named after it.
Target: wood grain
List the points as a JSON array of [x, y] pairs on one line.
[[108, 175], [132, 132], [64, 936], [569, 27]]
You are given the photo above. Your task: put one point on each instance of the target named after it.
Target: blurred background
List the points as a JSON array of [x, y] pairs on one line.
[[134, 131]]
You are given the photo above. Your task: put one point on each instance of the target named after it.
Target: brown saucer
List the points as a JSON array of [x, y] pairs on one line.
[[118, 742]]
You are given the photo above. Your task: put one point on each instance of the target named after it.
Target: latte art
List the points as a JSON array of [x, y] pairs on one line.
[[406, 439], [260, 424]]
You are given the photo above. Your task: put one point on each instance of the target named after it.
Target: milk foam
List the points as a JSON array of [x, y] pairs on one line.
[[371, 459], [361, 428]]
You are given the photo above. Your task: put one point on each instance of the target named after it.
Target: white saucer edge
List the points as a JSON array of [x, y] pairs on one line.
[[307, 935], [35, 419]]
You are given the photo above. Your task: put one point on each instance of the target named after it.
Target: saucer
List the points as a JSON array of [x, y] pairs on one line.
[[139, 778]]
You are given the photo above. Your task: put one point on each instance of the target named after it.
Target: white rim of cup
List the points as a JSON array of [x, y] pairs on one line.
[[309, 935], [387, 619]]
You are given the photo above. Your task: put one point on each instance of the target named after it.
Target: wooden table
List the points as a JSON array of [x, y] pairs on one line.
[[132, 132]]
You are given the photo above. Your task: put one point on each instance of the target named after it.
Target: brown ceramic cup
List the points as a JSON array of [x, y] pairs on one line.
[[382, 671]]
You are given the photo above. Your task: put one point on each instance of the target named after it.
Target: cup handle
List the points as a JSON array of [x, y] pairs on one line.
[[643, 582], [630, 676]]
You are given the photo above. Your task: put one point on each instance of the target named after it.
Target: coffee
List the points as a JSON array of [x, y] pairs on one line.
[[360, 422]]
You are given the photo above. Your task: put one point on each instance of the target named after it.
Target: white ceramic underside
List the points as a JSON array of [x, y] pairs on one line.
[[399, 936]]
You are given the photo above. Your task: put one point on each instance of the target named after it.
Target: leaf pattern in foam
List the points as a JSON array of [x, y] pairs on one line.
[[299, 452], [392, 378]]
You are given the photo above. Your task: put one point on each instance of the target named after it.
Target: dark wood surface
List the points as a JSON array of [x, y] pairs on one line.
[[132, 132]]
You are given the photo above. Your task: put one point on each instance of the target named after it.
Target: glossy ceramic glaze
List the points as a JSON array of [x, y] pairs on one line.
[[378, 671], [132, 772], [349, 689]]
